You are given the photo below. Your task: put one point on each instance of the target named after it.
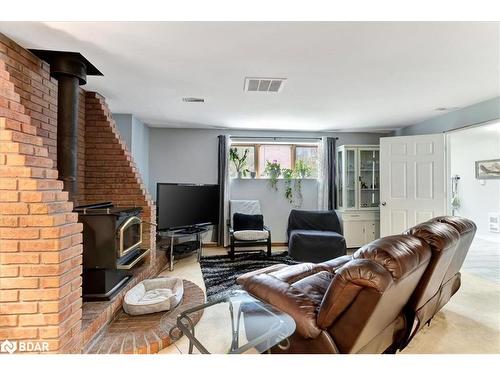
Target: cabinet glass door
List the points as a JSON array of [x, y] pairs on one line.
[[340, 179], [369, 181], [350, 178]]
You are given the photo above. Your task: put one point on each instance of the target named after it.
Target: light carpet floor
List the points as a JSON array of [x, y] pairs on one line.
[[469, 323]]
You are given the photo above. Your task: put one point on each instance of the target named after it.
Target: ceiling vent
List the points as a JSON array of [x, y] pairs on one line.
[[193, 100], [264, 84]]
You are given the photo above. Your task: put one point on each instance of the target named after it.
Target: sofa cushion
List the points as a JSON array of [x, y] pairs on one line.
[[291, 298], [247, 222], [315, 245], [251, 235]]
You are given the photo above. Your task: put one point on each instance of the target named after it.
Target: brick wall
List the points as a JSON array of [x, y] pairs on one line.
[[40, 239], [38, 94], [110, 172], [37, 90]]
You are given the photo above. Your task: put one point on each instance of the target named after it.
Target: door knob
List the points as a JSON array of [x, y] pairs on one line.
[[383, 203]]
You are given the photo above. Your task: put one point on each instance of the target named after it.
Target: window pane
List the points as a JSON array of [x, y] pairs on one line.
[[308, 157], [246, 166], [281, 154]]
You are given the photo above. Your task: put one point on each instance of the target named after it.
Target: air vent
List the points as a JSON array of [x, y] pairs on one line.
[[193, 100], [264, 84]]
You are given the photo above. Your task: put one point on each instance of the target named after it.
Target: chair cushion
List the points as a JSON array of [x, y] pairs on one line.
[[248, 222], [315, 246], [251, 235]]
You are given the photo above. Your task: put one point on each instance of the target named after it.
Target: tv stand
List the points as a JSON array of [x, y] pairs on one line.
[[191, 230], [189, 245]]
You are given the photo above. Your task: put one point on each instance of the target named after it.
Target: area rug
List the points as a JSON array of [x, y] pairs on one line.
[[220, 272]]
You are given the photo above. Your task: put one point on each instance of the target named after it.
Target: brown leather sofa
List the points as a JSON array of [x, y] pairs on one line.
[[373, 301], [450, 238]]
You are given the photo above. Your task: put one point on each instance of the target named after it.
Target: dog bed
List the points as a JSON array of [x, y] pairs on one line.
[[153, 295]]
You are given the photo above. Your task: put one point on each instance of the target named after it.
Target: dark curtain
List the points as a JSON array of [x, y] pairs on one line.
[[332, 171], [221, 178]]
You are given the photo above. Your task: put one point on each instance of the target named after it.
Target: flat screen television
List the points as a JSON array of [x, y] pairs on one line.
[[186, 205]]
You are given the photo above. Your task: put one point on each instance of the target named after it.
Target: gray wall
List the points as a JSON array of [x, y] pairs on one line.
[[190, 156], [474, 114], [274, 206], [124, 123], [140, 148], [136, 135]]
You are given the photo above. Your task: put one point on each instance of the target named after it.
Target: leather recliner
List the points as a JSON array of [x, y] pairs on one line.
[[450, 238], [373, 301], [350, 304]]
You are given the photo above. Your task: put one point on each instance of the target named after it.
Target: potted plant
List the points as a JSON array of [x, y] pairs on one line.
[[273, 171], [240, 163]]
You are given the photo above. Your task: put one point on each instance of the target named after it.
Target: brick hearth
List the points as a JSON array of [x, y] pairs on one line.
[[40, 248], [145, 334]]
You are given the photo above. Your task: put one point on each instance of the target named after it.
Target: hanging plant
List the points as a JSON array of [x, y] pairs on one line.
[[240, 163], [288, 175], [273, 171]]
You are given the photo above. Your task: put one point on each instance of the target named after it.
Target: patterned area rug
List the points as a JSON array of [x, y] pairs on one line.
[[220, 272]]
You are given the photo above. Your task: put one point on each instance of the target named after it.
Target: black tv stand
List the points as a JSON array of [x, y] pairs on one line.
[[183, 248], [191, 230]]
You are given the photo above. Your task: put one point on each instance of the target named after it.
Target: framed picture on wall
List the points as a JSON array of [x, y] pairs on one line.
[[488, 169]]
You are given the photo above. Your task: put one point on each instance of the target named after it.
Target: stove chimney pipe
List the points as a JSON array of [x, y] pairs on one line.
[[71, 70]]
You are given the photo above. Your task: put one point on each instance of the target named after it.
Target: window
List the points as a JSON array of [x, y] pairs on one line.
[[274, 154], [302, 158], [243, 159], [308, 157]]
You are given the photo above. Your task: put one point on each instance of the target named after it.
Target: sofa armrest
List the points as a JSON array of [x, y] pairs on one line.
[[348, 282], [244, 279], [286, 298]]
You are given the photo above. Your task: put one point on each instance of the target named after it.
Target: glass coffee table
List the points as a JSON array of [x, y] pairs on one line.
[[238, 323]]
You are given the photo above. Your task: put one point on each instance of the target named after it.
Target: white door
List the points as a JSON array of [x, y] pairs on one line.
[[412, 181]]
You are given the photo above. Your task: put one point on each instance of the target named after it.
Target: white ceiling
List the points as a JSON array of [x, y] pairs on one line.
[[347, 76]]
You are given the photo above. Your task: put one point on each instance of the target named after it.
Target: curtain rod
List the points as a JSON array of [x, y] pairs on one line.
[[299, 138]]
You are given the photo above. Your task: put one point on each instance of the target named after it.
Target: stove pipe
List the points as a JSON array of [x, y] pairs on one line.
[[71, 70]]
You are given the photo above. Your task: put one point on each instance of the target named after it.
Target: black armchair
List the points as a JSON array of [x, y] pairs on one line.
[[248, 239], [315, 236]]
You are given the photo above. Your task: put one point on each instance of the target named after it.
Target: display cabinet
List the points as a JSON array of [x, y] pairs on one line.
[[358, 192]]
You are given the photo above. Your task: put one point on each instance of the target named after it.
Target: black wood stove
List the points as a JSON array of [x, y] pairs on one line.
[[112, 240]]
